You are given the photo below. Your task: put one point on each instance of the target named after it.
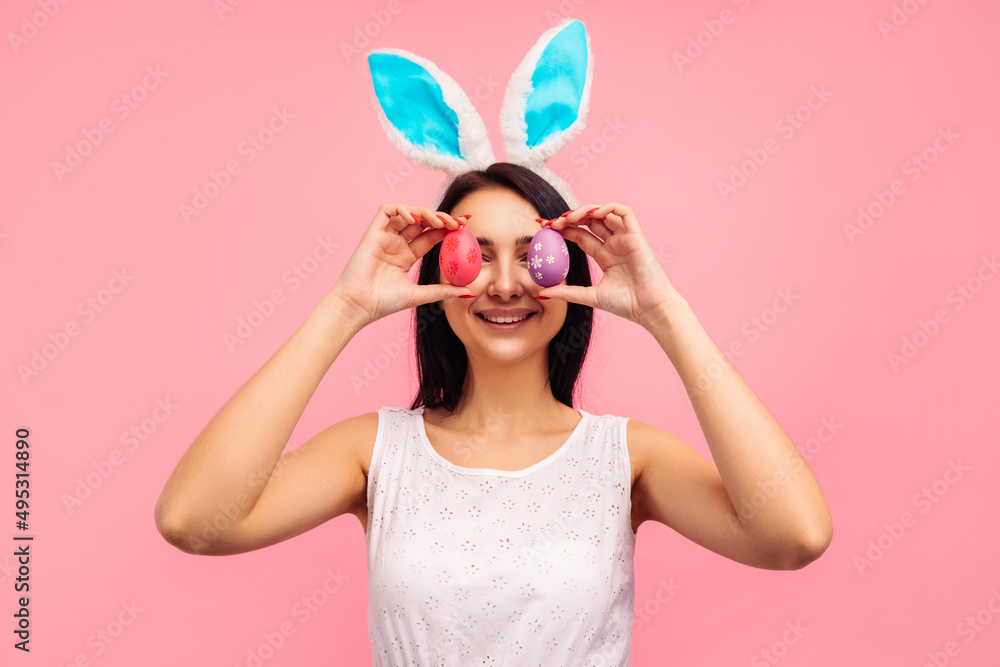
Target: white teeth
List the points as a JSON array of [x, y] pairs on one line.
[[505, 320]]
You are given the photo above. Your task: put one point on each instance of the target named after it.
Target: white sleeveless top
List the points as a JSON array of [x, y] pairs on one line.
[[478, 566]]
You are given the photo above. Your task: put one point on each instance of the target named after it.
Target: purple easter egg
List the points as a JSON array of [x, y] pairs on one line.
[[548, 257]]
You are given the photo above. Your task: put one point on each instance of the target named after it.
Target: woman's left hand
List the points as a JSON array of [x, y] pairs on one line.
[[634, 285]]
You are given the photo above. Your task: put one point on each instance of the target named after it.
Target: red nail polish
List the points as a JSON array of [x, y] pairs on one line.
[[536, 296], [466, 216], [441, 218], [467, 296], [540, 220], [592, 210], [566, 213]]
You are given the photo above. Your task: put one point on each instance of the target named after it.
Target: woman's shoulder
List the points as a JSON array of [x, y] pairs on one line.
[[625, 432], [360, 432]]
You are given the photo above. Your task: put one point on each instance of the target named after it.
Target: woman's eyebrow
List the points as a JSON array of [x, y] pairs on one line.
[[519, 241]]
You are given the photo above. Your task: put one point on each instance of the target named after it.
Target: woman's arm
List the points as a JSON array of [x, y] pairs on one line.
[[218, 482], [224, 471], [755, 458], [779, 506]]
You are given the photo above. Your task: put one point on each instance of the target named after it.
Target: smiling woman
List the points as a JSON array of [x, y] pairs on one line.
[[500, 520], [504, 200]]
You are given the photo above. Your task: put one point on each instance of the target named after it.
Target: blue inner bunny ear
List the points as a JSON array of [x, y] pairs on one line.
[[413, 102], [557, 82]]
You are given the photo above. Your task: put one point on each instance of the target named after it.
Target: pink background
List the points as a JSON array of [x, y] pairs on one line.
[[680, 130]]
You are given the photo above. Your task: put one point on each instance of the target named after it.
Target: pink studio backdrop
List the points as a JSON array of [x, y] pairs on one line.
[[746, 135]]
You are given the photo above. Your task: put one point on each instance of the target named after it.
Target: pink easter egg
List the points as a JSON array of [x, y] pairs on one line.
[[460, 257], [548, 257]]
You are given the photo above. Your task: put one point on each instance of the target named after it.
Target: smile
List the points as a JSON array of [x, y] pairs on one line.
[[504, 320]]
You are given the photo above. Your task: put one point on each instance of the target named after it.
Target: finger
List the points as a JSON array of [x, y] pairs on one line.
[[583, 238], [592, 225], [573, 293], [424, 217], [582, 212], [412, 231], [621, 217], [448, 221], [397, 217], [585, 216], [430, 293], [423, 243], [607, 215]]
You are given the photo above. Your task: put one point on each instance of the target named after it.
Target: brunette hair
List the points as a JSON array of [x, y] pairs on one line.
[[442, 361]]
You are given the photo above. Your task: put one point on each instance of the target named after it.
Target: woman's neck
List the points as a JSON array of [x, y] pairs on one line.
[[507, 399]]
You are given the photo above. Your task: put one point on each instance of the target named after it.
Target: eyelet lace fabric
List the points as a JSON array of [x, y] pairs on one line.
[[478, 566]]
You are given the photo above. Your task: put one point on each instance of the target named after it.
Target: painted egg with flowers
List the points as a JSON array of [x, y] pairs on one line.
[[548, 257], [460, 258]]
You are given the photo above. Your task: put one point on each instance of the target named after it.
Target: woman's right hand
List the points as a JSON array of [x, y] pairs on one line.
[[374, 282]]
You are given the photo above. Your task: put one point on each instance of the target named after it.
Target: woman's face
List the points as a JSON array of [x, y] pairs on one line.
[[504, 223]]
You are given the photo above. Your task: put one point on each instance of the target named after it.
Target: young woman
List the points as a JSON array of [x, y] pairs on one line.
[[500, 520]]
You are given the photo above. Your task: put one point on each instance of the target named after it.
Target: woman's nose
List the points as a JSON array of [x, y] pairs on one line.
[[506, 277]]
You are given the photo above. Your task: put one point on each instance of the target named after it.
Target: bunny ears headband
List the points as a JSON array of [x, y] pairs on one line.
[[431, 120]]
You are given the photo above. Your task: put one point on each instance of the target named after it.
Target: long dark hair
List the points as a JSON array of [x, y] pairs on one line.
[[442, 361]]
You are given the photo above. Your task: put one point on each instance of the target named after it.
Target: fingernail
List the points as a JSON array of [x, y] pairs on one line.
[[467, 296], [536, 296], [593, 209], [540, 220], [466, 216], [566, 213], [441, 218]]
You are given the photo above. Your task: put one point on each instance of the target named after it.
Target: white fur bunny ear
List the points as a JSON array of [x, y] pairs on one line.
[[547, 99], [426, 114]]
